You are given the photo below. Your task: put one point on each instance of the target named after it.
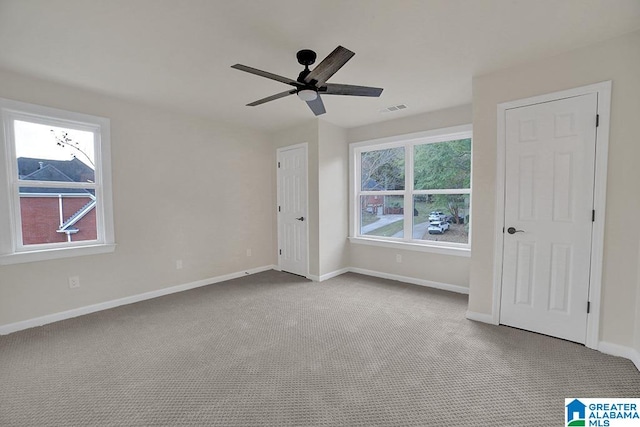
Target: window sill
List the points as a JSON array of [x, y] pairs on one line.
[[444, 250], [57, 253]]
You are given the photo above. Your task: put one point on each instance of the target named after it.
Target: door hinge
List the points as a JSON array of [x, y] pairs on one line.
[[278, 208], [502, 230], [593, 215], [588, 306], [280, 251], [597, 120], [278, 164]]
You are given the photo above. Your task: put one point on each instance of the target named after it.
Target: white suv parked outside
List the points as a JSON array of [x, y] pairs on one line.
[[438, 227], [436, 216]]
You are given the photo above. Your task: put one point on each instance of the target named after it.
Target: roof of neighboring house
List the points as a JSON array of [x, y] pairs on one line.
[[74, 169], [371, 184], [47, 170]]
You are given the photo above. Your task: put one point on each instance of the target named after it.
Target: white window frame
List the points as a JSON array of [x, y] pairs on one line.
[[12, 251], [408, 141]]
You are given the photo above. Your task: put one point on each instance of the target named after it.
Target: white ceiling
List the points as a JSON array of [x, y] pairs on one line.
[[177, 53]]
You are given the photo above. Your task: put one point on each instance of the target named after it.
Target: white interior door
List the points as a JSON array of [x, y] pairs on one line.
[[292, 210], [549, 183]]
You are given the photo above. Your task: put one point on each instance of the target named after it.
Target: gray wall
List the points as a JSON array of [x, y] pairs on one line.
[[447, 269], [184, 188], [333, 169]]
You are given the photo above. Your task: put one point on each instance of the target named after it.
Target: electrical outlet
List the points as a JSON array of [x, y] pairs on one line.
[[398, 258], [249, 252], [74, 282], [179, 264]]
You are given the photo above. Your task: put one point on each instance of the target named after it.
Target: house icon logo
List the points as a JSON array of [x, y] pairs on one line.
[[576, 413]]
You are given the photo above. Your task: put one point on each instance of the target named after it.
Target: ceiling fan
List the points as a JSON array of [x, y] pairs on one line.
[[311, 83]]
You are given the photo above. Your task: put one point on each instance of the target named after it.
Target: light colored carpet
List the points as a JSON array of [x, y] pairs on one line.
[[274, 349]]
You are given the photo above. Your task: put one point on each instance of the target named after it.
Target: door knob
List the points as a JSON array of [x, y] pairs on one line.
[[300, 219], [512, 230]]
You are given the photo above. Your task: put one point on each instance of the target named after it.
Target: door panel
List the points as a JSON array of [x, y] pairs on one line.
[[524, 272], [292, 210], [550, 153]]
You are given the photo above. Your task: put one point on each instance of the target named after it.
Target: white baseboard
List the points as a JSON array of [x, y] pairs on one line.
[[480, 317], [620, 351], [333, 274], [50, 318], [412, 280]]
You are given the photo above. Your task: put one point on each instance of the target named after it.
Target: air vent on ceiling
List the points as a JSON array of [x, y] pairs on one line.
[[393, 108]]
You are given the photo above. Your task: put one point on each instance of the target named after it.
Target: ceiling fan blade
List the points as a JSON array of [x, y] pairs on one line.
[[317, 106], [272, 97], [352, 90], [329, 65], [266, 74]]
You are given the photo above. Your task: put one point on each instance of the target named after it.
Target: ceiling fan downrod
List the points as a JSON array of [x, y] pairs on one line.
[[305, 57]]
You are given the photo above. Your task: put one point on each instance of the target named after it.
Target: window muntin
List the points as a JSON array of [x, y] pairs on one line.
[[57, 183], [437, 175]]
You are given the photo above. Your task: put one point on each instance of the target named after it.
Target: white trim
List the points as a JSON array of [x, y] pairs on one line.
[[444, 250], [333, 274], [12, 249], [599, 204], [304, 145], [480, 317], [56, 317], [57, 253], [603, 90], [58, 194], [620, 351], [405, 279], [434, 135], [428, 283], [406, 141], [498, 245]]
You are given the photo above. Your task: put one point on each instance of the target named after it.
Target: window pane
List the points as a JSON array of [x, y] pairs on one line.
[[382, 169], [443, 165], [52, 215], [441, 217], [381, 216], [50, 153]]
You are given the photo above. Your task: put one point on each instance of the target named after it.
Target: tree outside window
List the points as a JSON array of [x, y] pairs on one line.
[[417, 191]]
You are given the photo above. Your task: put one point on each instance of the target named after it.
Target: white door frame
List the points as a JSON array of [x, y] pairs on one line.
[[603, 91], [305, 146]]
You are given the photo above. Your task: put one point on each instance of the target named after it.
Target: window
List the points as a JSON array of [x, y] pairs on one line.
[[56, 192], [413, 191]]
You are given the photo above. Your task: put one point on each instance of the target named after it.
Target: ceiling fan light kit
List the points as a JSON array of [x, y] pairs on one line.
[[307, 94], [310, 83]]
